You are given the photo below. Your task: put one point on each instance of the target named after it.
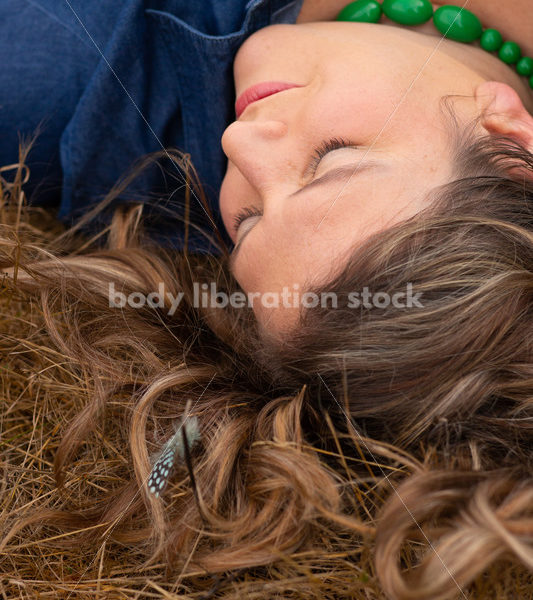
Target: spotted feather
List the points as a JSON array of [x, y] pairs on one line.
[[172, 450]]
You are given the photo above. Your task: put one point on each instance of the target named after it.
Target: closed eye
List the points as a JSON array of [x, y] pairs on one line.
[[327, 146], [249, 211]]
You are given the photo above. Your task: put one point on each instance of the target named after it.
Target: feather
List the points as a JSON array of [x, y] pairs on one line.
[[171, 452]]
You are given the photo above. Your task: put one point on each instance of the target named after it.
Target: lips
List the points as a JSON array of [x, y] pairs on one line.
[[259, 91]]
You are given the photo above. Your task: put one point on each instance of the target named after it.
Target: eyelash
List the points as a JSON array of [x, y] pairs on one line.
[[244, 214], [327, 146], [318, 154]]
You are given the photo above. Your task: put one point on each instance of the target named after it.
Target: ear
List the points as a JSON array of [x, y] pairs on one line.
[[503, 113]]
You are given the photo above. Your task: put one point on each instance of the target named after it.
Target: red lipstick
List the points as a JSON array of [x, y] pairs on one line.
[[258, 91]]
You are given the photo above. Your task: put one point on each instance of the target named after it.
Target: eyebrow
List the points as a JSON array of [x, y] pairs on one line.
[[335, 175], [340, 174]]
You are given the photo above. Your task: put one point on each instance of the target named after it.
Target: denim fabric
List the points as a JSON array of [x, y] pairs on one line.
[[165, 79]]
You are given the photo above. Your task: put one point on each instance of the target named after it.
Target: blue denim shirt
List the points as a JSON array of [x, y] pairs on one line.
[[108, 81]]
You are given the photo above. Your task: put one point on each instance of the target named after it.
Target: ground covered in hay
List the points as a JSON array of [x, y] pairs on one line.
[[40, 393]]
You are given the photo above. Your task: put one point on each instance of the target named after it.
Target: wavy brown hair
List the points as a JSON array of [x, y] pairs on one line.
[[376, 446]]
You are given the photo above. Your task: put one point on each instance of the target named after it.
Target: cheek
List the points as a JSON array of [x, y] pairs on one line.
[[230, 199], [224, 202], [356, 103]]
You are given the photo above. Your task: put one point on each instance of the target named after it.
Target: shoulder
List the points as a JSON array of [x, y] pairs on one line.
[[320, 10]]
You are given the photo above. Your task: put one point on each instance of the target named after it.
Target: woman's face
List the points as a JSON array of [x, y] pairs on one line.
[[377, 87]]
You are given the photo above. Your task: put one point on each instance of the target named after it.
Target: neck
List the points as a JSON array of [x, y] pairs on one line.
[[514, 18], [482, 63]]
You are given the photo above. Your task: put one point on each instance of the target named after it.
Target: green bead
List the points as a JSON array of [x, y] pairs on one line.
[[525, 66], [408, 12], [510, 52], [457, 24], [491, 40], [531, 82], [361, 11]]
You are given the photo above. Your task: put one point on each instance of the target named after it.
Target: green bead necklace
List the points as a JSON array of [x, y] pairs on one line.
[[454, 22]]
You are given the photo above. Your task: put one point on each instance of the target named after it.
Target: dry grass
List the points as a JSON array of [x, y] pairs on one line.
[[40, 392]]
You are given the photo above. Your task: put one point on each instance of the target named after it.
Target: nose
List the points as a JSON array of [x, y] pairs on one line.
[[260, 164], [258, 150]]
